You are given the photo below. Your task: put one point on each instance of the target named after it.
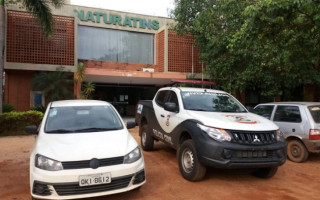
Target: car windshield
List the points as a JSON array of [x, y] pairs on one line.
[[212, 102], [77, 119], [315, 112]]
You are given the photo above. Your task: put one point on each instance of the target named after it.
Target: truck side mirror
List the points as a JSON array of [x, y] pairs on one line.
[[32, 129], [171, 107]]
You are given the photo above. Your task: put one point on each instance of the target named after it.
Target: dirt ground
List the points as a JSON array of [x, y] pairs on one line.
[[292, 181]]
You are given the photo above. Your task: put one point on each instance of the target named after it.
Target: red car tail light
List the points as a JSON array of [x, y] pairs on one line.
[[314, 134]]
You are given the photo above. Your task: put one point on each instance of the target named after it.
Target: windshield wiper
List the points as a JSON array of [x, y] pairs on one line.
[[198, 109], [60, 131], [95, 129]]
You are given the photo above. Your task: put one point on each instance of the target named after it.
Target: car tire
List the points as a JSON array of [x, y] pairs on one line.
[[296, 151], [147, 140], [267, 172], [189, 165]]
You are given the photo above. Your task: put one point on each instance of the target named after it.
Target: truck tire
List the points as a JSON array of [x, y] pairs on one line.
[[147, 140], [297, 152], [189, 165], [267, 172]]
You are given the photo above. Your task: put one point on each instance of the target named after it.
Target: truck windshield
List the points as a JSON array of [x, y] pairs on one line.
[[212, 102], [79, 119], [315, 112]]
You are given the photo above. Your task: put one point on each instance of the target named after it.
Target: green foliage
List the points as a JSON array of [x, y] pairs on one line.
[[41, 10], [55, 85], [7, 108], [87, 90], [13, 123], [271, 47]]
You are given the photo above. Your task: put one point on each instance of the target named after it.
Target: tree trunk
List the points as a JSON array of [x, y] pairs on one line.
[[2, 43]]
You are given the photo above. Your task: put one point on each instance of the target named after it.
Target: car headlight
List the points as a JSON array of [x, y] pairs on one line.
[[133, 156], [280, 136], [45, 163], [218, 134]]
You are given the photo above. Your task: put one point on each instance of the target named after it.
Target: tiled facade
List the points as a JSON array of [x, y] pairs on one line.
[[183, 55], [26, 43]]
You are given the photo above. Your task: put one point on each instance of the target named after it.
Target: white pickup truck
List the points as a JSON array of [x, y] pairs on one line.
[[210, 128]]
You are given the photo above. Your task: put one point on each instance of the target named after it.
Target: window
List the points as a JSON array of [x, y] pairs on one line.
[[287, 114], [115, 45], [264, 110], [315, 113], [212, 102], [161, 97], [72, 119], [173, 98]]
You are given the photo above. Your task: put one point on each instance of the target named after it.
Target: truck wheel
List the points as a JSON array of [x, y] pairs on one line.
[[265, 172], [146, 139], [297, 152], [189, 165]]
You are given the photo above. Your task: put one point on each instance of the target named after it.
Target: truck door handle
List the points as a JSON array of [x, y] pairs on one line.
[[162, 115]]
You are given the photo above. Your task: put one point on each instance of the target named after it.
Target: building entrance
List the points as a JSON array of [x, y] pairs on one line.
[[124, 97]]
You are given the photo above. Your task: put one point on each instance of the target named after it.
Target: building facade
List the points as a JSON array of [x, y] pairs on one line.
[[127, 56]]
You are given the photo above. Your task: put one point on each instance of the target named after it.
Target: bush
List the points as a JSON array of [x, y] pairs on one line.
[[14, 123], [7, 108]]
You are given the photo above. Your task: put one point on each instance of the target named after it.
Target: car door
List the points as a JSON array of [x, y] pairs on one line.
[[172, 119], [289, 119], [159, 111]]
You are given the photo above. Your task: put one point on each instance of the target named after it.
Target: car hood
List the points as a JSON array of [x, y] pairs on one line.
[[235, 121], [84, 146]]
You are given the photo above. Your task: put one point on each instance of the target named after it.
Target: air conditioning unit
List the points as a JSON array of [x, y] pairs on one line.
[[147, 69]]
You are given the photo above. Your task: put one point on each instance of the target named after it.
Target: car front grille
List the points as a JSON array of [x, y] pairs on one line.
[[86, 163], [253, 137], [74, 188]]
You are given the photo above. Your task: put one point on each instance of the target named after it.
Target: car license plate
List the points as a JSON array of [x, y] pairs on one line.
[[94, 179]]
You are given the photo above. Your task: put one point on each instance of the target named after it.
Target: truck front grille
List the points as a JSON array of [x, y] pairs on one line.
[[253, 137]]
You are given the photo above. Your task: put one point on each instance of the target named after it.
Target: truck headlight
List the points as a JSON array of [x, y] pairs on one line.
[[133, 156], [280, 136], [218, 134], [45, 163]]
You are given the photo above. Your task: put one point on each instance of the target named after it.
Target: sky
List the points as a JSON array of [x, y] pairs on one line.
[[148, 7]]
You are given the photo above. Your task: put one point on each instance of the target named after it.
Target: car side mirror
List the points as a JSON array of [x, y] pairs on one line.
[[32, 129], [131, 124], [171, 107]]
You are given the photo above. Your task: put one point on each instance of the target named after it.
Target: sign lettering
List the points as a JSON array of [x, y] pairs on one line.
[[117, 20]]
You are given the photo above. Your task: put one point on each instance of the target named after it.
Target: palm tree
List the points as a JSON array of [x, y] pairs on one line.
[[88, 89], [55, 85], [42, 12], [79, 75]]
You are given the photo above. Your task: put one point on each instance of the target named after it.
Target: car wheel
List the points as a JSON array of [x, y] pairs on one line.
[[297, 152], [147, 140], [189, 165], [267, 172]]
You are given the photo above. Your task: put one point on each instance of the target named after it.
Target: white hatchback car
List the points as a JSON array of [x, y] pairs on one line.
[[83, 149]]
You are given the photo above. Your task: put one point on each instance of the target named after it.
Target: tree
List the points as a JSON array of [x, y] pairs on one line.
[[42, 12], [267, 46], [88, 89], [79, 76], [55, 85]]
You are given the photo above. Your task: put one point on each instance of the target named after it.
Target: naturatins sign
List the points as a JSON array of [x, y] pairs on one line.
[[134, 22]]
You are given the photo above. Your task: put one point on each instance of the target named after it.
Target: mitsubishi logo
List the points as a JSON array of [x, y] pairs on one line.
[[256, 139]]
